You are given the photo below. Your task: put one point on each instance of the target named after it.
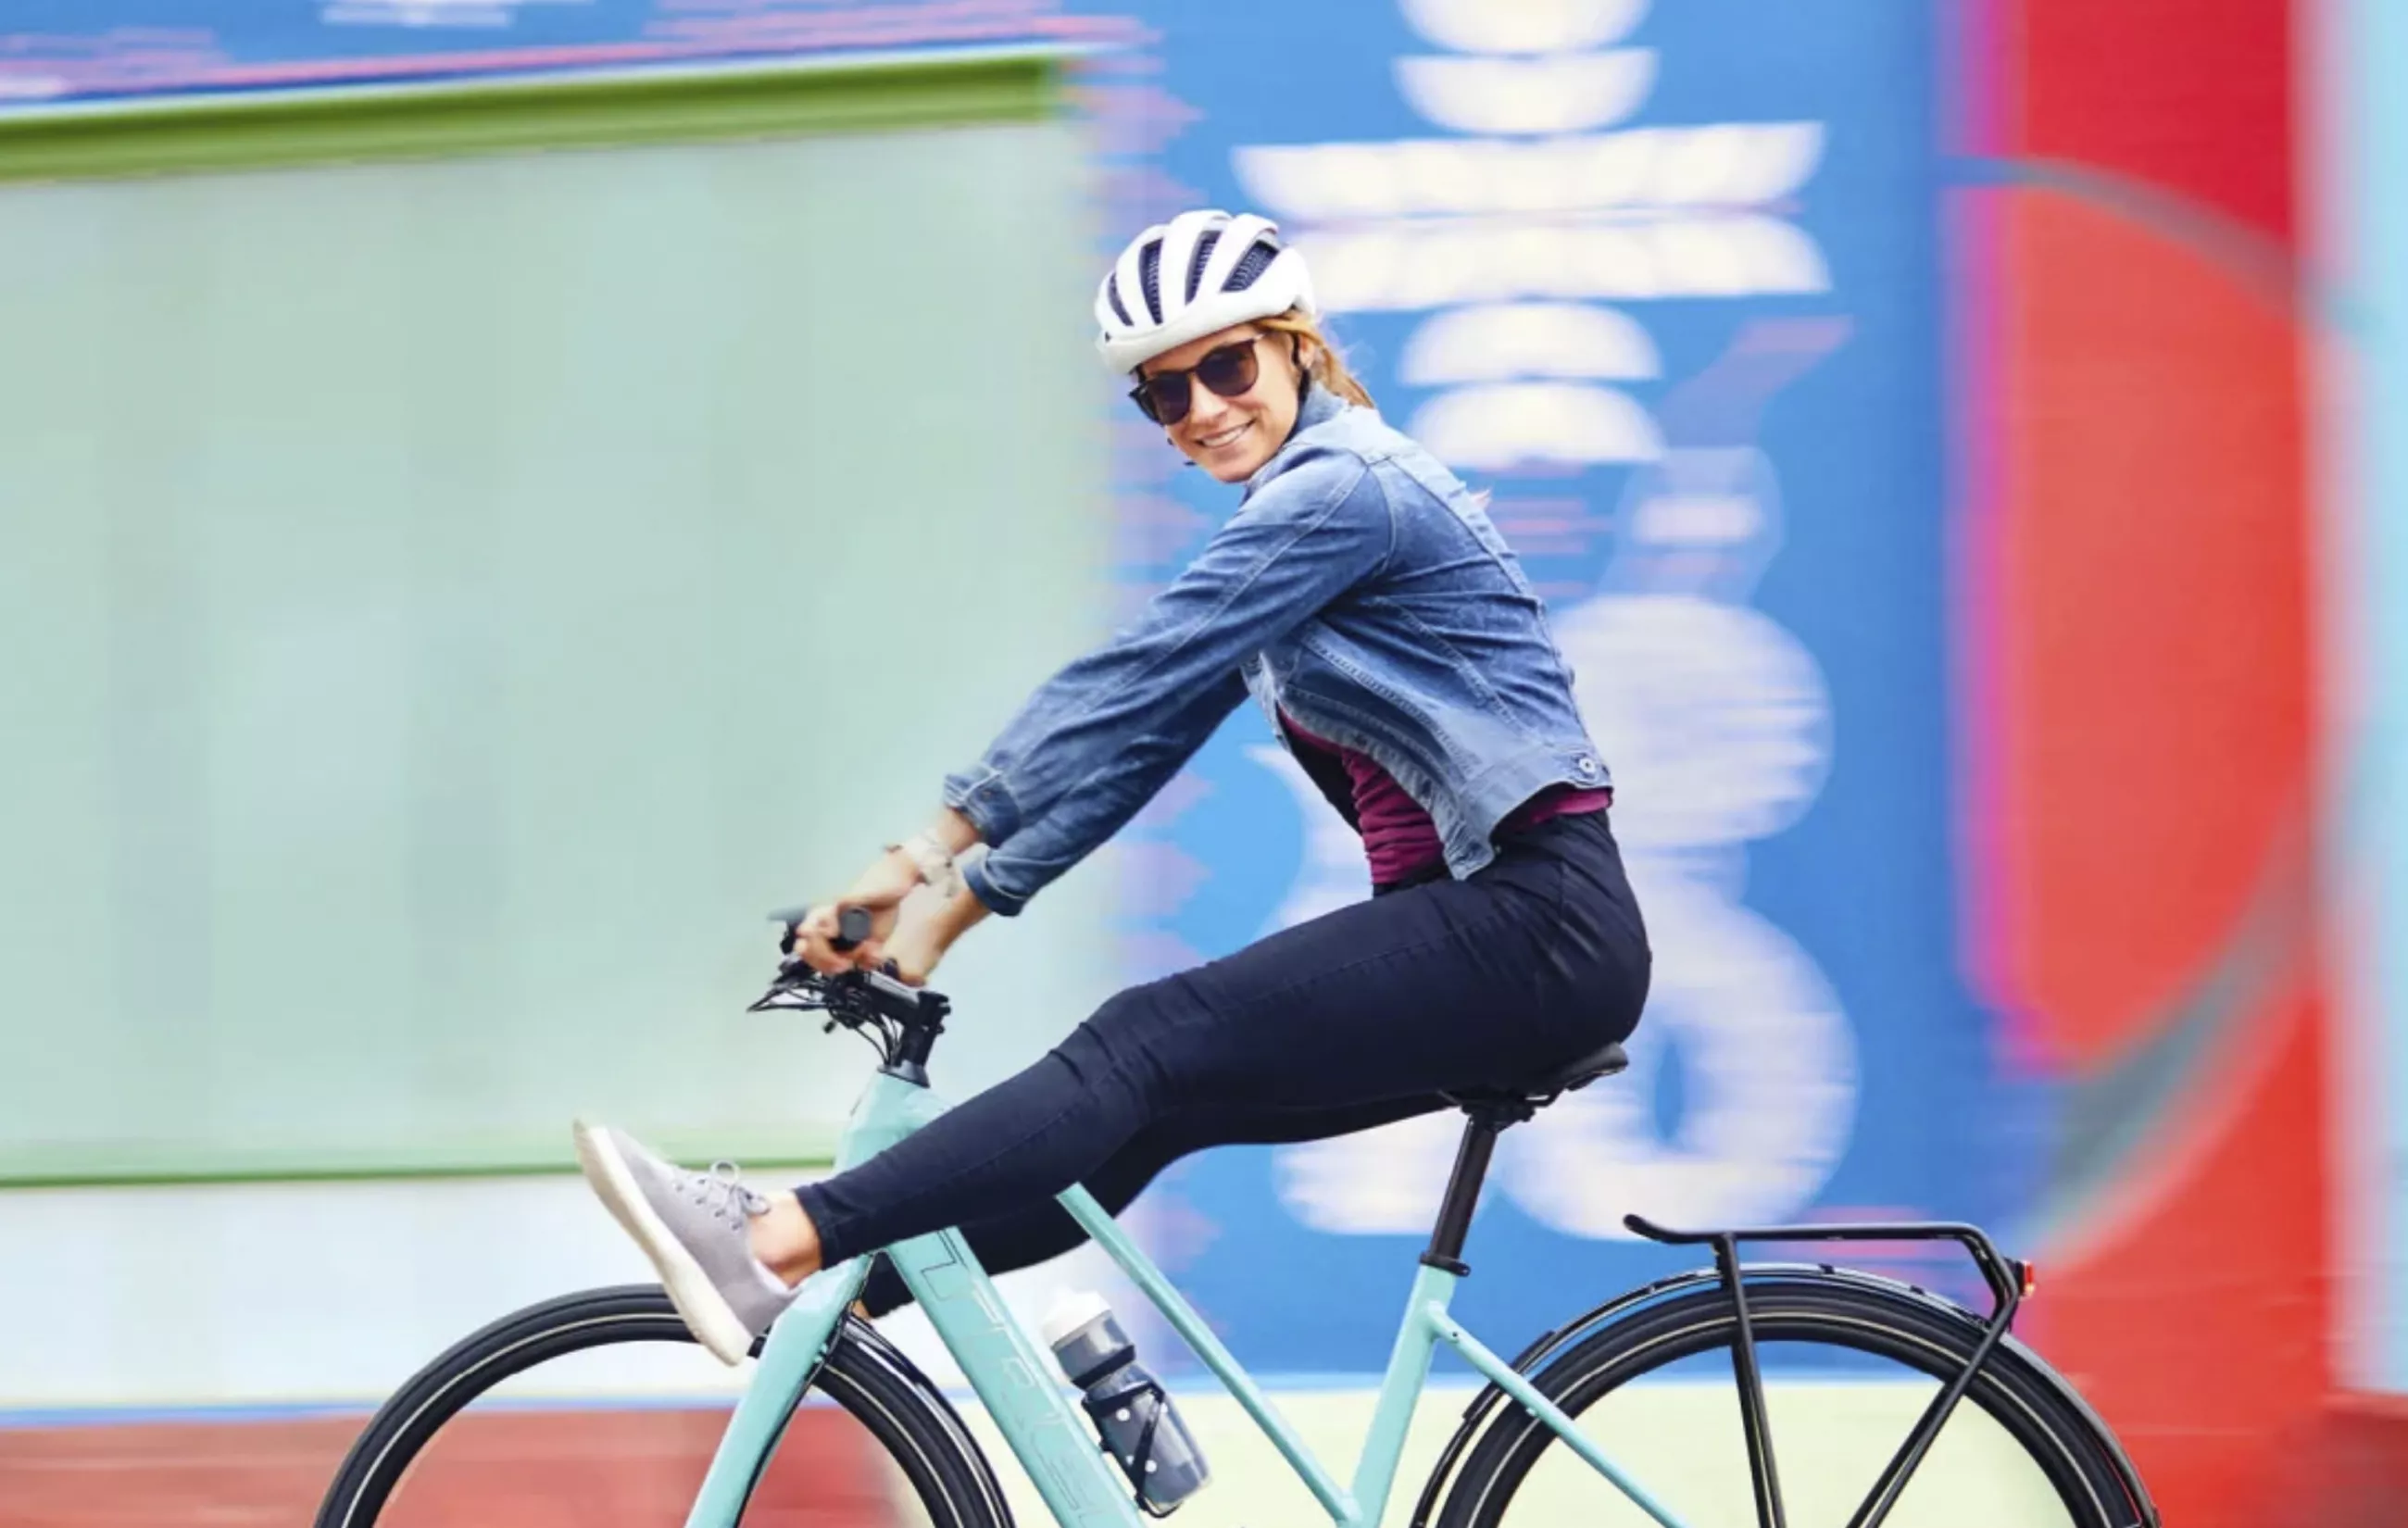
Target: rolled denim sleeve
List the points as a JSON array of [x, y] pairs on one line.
[[1095, 741]]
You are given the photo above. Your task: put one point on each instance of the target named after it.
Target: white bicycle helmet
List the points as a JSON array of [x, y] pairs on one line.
[[1182, 279]]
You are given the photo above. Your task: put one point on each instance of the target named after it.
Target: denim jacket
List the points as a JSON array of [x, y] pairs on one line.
[[1360, 589]]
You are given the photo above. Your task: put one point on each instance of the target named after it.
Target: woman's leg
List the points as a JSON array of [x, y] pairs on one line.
[[1022, 1237], [1456, 983], [1538, 959]]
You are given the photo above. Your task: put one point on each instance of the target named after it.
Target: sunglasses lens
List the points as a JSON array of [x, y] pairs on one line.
[[1229, 370], [1164, 399], [1166, 396]]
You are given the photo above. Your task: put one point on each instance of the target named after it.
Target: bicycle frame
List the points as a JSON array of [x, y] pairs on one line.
[[1032, 1408]]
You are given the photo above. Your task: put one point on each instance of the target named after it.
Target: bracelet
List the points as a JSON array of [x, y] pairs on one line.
[[936, 866]]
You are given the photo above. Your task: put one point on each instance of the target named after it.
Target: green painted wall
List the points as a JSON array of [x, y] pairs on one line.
[[448, 600]]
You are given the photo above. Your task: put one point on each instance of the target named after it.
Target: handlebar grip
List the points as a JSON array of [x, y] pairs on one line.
[[852, 928]]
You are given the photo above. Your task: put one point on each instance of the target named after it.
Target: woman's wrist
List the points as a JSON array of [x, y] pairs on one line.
[[929, 862], [952, 832], [929, 854], [957, 912]]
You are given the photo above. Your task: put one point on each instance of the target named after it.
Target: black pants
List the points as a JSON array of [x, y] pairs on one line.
[[1356, 1019]]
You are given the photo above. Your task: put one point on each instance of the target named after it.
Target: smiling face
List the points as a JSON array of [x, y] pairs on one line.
[[1232, 437]]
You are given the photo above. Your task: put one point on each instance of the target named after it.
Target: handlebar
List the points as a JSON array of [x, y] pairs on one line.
[[901, 1020], [852, 998]]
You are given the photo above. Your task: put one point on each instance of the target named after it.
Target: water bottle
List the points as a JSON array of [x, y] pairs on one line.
[[1132, 1412]]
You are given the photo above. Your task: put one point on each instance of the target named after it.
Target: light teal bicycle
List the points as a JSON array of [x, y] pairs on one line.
[[1650, 1406]]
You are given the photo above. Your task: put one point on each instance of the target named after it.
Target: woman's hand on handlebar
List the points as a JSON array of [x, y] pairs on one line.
[[907, 945], [878, 891]]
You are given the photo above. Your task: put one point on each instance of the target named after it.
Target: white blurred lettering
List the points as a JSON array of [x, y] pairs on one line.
[[1523, 26], [1725, 166], [1504, 424], [1528, 96], [1527, 339]]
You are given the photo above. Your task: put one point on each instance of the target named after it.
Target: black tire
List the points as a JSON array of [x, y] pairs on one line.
[[2068, 1444], [894, 1403]]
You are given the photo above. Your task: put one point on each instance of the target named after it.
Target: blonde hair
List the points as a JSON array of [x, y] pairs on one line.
[[1327, 367]]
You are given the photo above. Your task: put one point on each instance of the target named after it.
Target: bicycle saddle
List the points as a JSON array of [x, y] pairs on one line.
[[1571, 1076]]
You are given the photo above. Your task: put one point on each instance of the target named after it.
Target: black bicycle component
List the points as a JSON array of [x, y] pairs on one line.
[[1490, 1112], [2055, 1395], [2007, 1291], [904, 1415], [2003, 1275], [852, 927], [1539, 1349], [1141, 1456], [1471, 1160], [901, 1022], [1756, 1427], [1582, 1366]]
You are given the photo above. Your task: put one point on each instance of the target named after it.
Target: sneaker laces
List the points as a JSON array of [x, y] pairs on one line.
[[723, 1191]]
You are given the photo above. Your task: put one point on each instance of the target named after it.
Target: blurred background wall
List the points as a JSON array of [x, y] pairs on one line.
[[452, 599]]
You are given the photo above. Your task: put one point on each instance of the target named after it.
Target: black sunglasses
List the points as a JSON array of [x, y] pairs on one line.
[[1228, 370]]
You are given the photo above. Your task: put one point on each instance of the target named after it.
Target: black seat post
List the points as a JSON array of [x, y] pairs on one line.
[[1491, 1109], [1463, 1188]]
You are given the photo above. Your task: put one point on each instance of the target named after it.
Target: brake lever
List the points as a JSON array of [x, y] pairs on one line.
[[783, 995]]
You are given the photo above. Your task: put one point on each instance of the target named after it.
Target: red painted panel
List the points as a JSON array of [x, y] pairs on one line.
[[2151, 661], [2347, 1470], [2197, 1325], [2191, 95], [524, 1469], [2148, 672]]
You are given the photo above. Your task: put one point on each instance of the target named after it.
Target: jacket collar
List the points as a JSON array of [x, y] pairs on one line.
[[1319, 405]]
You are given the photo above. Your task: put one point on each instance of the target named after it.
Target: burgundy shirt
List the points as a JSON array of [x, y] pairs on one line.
[[1398, 837]]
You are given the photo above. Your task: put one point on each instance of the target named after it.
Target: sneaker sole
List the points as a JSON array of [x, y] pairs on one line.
[[706, 1311]]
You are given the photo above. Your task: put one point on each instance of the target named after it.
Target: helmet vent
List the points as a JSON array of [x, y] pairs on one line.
[[1195, 262], [1149, 272], [1251, 265]]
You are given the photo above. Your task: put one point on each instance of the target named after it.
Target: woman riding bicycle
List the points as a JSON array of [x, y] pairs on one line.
[[1361, 594]]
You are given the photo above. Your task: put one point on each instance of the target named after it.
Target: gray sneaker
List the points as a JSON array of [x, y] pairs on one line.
[[692, 1225]]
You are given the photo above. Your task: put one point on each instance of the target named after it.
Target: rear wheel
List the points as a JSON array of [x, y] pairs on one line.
[[598, 1409], [1850, 1364]]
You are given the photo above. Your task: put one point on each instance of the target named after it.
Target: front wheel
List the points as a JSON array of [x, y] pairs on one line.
[[1849, 1363], [580, 1411]]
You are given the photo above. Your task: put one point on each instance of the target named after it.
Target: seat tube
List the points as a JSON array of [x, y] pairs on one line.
[[1409, 1366]]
